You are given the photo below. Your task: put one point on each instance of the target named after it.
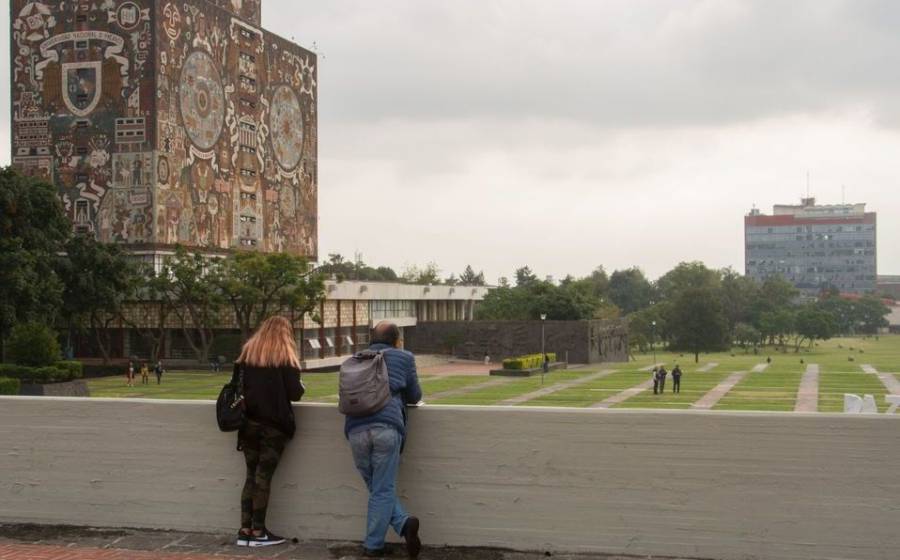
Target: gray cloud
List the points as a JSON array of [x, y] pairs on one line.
[[625, 63], [567, 134]]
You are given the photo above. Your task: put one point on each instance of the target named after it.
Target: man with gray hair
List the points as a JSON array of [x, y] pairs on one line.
[[376, 441]]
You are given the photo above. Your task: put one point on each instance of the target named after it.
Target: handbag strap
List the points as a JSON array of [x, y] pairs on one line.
[[241, 378]]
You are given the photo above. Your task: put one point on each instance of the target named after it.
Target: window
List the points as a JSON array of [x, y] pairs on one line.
[[248, 83], [248, 172], [314, 343], [247, 57]]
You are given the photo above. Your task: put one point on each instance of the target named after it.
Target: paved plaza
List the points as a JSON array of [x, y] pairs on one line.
[[33, 542]]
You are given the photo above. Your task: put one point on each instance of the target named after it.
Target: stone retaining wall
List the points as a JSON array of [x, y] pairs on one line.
[[729, 486], [583, 341]]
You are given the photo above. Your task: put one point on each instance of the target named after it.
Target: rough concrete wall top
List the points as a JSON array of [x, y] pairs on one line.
[[706, 485]]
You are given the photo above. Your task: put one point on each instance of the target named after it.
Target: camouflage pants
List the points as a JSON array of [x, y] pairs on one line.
[[262, 447]]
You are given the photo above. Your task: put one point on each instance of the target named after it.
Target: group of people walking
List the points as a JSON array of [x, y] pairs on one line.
[[658, 376], [268, 370], [145, 373]]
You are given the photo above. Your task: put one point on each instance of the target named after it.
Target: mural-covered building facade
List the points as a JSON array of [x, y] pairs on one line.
[[166, 123]]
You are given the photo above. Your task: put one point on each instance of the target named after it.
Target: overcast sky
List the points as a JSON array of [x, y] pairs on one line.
[[565, 135]]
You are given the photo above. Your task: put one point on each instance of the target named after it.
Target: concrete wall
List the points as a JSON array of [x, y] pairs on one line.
[[702, 485], [585, 341]]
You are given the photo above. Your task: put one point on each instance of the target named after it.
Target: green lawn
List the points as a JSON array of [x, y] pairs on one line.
[[594, 391], [498, 393], [839, 361], [196, 385], [773, 389]]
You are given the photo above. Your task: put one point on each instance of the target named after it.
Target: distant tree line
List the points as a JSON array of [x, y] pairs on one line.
[[691, 308], [339, 268]]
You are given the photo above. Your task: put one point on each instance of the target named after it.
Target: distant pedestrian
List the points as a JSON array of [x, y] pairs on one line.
[[676, 379], [487, 359], [129, 375], [662, 379], [158, 370], [145, 374], [655, 377]]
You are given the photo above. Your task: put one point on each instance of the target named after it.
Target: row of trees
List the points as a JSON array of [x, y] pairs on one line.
[[83, 287], [343, 269], [700, 309], [690, 308]]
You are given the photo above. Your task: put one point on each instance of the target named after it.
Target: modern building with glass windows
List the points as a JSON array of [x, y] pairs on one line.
[[815, 247]]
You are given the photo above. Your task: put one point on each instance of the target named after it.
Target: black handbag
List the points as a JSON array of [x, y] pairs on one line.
[[230, 405]]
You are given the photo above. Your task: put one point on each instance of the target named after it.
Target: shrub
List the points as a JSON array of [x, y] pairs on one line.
[[531, 361], [32, 344], [40, 375], [9, 386], [75, 369]]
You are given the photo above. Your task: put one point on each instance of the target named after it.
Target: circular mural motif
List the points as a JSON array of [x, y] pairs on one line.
[[202, 100], [286, 125]]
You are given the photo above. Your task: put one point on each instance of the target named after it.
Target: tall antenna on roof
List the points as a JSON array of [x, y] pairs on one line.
[[843, 191], [807, 183]]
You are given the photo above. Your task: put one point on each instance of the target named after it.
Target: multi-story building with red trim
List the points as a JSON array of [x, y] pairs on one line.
[[813, 246]]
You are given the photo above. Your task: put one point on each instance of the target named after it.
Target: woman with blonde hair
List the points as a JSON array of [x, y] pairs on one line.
[[268, 370]]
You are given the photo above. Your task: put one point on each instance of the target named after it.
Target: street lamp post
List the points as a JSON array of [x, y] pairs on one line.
[[653, 341], [543, 351]]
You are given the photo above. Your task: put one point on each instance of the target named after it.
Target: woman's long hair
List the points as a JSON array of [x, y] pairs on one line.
[[272, 345]]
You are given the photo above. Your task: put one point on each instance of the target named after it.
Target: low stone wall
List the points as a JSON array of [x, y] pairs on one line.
[[77, 388], [729, 486], [582, 341]]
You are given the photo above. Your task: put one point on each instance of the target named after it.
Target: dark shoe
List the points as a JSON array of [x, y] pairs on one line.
[[411, 534], [380, 553], [266, 539], [243, 539]]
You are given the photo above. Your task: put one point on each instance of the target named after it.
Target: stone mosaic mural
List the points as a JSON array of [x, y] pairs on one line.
[[167, 122], [82, 95]]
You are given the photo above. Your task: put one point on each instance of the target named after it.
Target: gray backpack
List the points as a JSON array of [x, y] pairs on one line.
[[363, 384]]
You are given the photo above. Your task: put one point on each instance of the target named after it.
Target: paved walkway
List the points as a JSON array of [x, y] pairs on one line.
[[887, 379], [710, 399], [557, 387], [624, 395], [80, 543], [469, 388], [708, 367], [808, 392], [759, 368]]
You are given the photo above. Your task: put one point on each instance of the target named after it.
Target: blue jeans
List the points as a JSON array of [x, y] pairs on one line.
[[376, 452]]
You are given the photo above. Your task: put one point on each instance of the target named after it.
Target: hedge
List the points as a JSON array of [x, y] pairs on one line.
[[9, 386], [37, 375], [75, 369], [531, 361]]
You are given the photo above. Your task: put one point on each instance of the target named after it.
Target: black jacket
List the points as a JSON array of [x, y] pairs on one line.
[[268, 393]]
